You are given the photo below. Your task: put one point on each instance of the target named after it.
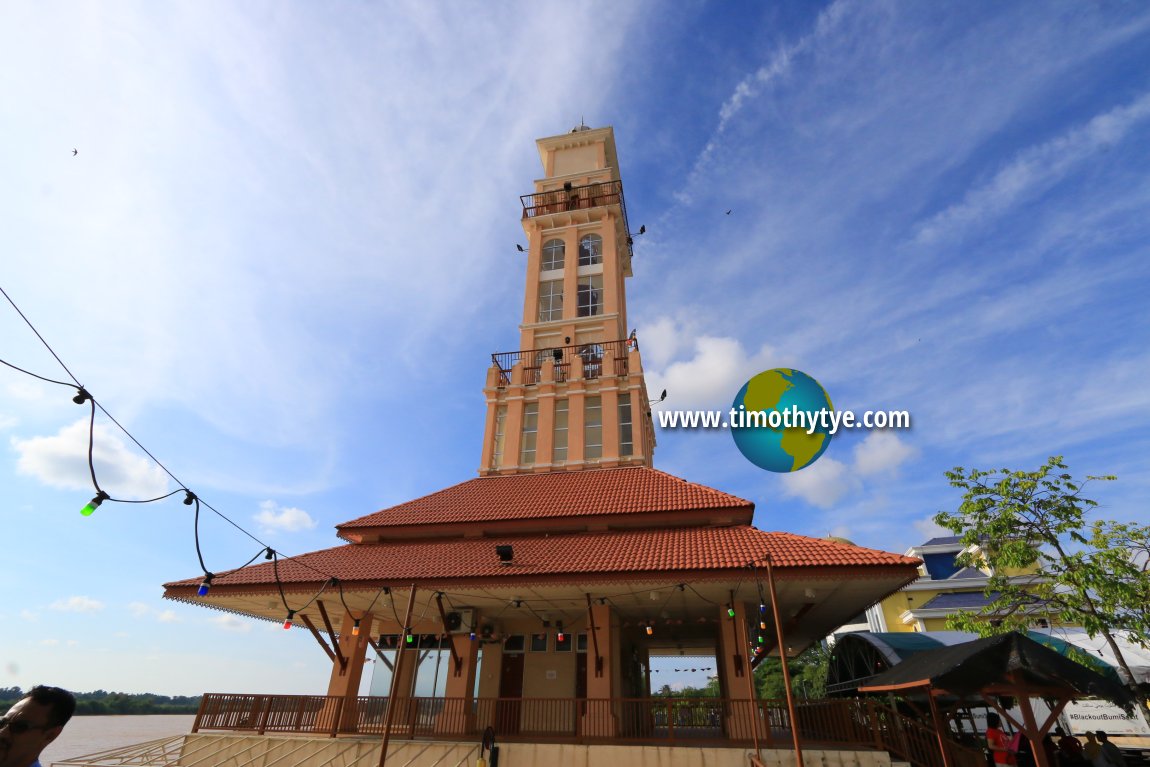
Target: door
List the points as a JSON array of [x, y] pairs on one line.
[[510, 692]]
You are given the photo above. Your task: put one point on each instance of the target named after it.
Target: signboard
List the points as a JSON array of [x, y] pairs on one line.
[[1094, 715]]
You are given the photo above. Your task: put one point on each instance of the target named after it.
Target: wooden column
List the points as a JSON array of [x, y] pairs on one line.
[[346, 676]]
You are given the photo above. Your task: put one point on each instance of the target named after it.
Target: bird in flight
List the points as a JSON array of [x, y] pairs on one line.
[[729, 212], [75, 152]]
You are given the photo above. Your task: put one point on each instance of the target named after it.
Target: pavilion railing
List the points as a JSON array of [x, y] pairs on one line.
[[858, 723]]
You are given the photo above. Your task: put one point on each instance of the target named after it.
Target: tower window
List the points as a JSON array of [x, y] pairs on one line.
[[590, 250], [590, 295], [529, 433], [551, 300], [497, 447], [626, 444], [559, 450], [593, 428], [553, 255]]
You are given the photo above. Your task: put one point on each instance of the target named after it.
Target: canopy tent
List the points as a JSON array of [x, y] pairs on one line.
[[859, 656], [1007, 665]]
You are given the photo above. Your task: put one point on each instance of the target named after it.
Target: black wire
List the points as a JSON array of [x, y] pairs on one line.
[[30, 373], [91, 441], [37, 332], [196, 529]]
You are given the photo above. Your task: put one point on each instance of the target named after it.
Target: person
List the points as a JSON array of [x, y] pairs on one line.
[[996, 740], [32, 723], [1092, 750], [1050, 749], [1110, 752], [1069, 749]]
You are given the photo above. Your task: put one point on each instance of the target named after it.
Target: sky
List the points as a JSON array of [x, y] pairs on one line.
[[284, 250]]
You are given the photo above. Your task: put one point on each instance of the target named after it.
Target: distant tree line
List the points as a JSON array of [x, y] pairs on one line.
[[105, 703]]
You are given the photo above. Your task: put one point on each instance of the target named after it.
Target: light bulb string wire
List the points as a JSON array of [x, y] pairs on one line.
[[84, 395], [35, 375]]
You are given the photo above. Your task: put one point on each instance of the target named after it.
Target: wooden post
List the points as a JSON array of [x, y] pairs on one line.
[[937, 719], [395, 677], [782, 642]]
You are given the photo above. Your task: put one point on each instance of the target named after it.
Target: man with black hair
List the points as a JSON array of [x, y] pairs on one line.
[[32, 723]]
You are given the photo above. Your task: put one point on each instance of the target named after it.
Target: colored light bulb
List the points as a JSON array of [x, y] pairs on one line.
[[730, 612], [560, 636], [204, 586], [94, 503], [287, 621], [763, 625], [473, 636], [410, 638], [355, 629]]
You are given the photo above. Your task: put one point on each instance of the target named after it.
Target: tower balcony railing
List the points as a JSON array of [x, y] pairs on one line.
[[587, 361], [571, 198]]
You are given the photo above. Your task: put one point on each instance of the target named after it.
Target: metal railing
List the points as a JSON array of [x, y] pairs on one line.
[[578, 198], [594, 360], [861, 724]]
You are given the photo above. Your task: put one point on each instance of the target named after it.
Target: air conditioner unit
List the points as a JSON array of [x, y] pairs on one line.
[[461, 621]]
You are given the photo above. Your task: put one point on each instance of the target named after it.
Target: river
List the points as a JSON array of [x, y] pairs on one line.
[[91, 734]]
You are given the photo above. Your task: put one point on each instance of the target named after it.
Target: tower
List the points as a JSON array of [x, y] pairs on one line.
[[573, 396]]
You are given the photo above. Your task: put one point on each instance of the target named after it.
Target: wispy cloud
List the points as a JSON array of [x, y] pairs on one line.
[[1035, 170], [77, 604], [273, 517]]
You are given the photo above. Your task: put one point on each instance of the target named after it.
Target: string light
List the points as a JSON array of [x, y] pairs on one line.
[[94, 503], [730, 611], [287, 621], [355, 628], [650, 629], [205, 585]]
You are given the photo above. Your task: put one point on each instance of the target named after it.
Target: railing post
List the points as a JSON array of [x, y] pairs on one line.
[[338, 716], [263, 723], [873, 716], [201, 712]]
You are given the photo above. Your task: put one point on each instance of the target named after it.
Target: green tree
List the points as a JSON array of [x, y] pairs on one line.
[[808, 674], [1031, 530]]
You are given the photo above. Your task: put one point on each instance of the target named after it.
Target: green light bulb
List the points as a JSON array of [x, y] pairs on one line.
[[94, 504]]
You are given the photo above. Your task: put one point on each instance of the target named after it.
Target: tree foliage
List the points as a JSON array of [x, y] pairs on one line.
[[1030, 530], [102, 702]]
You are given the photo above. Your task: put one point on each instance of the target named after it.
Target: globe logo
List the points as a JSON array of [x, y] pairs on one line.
[[766, 417]]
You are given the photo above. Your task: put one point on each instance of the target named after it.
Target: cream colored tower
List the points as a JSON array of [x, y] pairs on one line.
[[573, 396]]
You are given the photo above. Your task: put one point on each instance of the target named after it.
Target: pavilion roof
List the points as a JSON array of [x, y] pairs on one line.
[[572, 557], [597, 493]]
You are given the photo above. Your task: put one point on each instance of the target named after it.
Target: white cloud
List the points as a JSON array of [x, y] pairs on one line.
[[62, 461], [29, 616], [822, 483], [77, 604], [168, 616], [272, 516], [232, 624], [139, 609], [928, 529], [49, 642], [712, 377], [1036, 169], [881, 452]]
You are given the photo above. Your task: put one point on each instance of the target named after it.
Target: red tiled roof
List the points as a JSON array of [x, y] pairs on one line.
[[628, 490], [580, 555]]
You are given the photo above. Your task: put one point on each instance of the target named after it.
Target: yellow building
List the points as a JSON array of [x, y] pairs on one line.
[[943, 587]]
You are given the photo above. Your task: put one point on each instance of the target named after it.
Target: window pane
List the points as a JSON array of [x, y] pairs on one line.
[[590, 295], [625, 442], [553, 255], [530, 430], [590, 250], [550, 300], [592, 428]]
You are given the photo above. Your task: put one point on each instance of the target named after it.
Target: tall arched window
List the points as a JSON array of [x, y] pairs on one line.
[[553, 255], [590, 250]]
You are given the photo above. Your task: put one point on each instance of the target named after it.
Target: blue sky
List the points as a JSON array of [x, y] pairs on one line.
[[286, 250]]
